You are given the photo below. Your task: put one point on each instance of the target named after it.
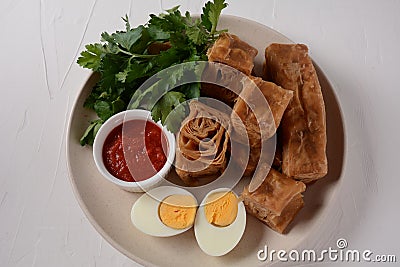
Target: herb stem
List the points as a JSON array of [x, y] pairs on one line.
[[133, 55]]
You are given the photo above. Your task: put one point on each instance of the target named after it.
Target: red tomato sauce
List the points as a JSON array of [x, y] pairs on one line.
[[135, 150]]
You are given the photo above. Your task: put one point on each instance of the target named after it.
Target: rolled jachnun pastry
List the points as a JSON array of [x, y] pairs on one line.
[[230, 50], [221, 82], [260, 107], [303, 126], [202, 144], [276, 201]]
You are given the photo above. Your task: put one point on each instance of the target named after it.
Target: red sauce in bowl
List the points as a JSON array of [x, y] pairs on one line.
[[135, 151]]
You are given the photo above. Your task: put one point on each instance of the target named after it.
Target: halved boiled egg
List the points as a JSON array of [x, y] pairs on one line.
[[220, 222], [164, 211]]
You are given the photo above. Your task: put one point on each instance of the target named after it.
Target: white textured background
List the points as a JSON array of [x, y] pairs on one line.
[[41, 224]]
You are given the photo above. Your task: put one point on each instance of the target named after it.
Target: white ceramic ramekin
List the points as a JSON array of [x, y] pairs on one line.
[[107, 127]]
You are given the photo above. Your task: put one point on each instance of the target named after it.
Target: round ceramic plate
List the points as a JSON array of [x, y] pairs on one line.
[[108, 207]]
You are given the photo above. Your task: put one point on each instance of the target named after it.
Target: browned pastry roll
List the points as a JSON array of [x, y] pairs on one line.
[[276, 202], [202, 144], [303, 126], [230, 50], [260, 107], [218, 92], [247, 162], [221, 82], [277, 162]]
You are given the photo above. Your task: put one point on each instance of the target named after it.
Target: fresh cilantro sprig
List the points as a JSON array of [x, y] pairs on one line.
[[125, 59], [211, 13]]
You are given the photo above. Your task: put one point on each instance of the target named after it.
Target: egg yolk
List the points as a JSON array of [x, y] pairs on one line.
[[221, 208], [178, 211]]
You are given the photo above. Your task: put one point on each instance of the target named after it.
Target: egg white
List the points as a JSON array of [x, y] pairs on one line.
[[144, 213], [214, 240]]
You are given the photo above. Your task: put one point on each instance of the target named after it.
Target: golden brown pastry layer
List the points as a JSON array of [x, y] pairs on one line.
[[260, 107], [275, 222], [257, 114], [249, 163], [202, 144], [276, 202], [303, 126], [230, 50], [221, 82]]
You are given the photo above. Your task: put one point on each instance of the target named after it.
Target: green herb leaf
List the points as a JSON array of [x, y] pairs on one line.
[[128, 39], [196, 33], [146, 99], [176, 117], [171, 22], [191, 90], [103, 109], [90, 133], [127, 24], [167, 103], [211, 13], [91, 58], [118, 105], [205, 20], [157, 33]]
